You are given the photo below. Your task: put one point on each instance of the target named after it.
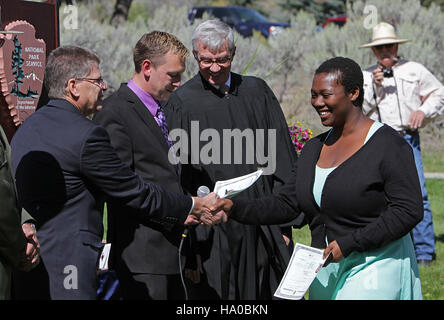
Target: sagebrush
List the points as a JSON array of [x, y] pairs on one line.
[[287, 62]]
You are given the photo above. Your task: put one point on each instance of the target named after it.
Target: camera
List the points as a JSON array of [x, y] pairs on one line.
[[388, 72]]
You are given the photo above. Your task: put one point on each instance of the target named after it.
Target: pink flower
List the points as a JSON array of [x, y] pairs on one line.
[[299, 136]]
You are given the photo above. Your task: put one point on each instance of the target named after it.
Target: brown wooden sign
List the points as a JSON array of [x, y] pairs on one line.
[[29, 31], [22, 66]]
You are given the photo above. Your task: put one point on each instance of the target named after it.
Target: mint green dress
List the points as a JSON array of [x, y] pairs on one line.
[[387, 273]]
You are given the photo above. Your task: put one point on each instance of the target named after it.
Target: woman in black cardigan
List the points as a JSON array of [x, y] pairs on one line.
[[358, 188]]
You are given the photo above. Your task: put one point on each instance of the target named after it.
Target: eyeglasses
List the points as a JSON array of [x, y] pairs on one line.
[[208, 62], [97, 81]]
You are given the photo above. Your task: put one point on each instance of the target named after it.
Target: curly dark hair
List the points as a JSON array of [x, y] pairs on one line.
[[348, 74]]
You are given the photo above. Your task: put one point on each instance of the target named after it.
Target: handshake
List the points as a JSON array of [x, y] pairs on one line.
[[30, 257], [209, 210]]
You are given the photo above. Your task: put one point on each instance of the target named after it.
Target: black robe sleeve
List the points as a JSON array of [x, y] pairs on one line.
[[285, 153], [275, 209]]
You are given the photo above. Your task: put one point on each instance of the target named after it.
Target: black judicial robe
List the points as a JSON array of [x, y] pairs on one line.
[[241, 261]]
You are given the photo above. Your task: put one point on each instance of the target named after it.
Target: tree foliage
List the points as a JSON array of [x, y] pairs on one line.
[[427, 3]]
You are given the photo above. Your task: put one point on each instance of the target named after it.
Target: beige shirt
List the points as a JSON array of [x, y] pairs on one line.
[[411, 88]]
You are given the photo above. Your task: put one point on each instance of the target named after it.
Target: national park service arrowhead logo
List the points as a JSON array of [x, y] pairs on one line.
[[22, 66]]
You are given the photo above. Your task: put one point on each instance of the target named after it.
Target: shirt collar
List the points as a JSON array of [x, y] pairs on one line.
[[149, 102], [226, 83]]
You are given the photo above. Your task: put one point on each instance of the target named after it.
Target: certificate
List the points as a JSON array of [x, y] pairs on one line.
[[230, 188], [302, 269]]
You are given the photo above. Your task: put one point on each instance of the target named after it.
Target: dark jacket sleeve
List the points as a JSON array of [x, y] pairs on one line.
[[286, 155], [102, 166], [275, 209], [12, 239], [404, 201]]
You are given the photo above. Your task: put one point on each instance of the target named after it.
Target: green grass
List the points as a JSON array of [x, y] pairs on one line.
[[302, 235], [432, 277], [432, 151], [433, 161]]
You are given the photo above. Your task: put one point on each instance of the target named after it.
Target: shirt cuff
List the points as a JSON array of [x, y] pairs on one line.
[[192, 206]]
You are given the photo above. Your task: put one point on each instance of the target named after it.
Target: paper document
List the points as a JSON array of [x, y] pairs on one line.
[[304, 265], [230, 188], [104, 257]]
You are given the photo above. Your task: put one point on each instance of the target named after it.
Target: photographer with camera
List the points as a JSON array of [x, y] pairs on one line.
[[404, 95]]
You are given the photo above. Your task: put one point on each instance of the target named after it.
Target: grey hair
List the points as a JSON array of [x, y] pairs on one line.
[[213, 34], [65, 63]]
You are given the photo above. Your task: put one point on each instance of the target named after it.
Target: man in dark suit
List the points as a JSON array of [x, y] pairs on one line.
[[146, 255], [66, 167], [18, 242]]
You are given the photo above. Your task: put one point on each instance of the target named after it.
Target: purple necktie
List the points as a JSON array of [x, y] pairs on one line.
[[161, 121]]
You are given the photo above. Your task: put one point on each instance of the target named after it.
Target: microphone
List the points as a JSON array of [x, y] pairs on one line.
[[202, 191]]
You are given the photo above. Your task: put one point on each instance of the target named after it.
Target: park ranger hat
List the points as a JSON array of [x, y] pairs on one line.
[[383, 33]]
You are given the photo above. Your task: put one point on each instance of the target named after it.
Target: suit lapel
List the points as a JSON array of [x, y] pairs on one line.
[[144, 115], [142, 112]]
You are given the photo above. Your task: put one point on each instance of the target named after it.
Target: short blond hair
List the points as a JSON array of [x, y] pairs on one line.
[[155, 45]]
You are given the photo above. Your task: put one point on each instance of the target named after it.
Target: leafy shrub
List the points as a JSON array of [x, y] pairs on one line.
[[287, 62]]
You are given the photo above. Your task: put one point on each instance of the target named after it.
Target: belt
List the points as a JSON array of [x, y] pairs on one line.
[[407, 131]]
